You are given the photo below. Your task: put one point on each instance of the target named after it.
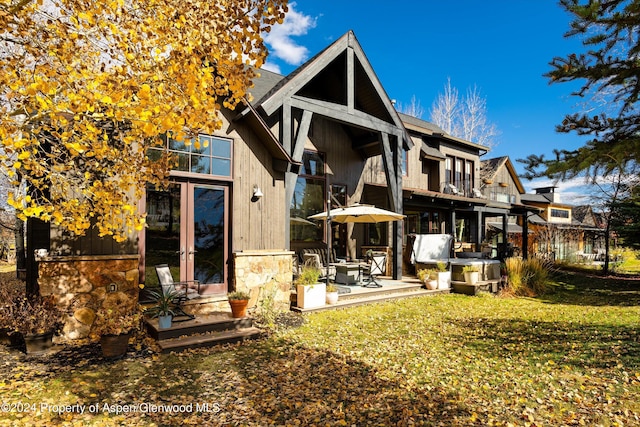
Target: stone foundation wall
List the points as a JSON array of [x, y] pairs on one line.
[[264, 273], [81, 285]]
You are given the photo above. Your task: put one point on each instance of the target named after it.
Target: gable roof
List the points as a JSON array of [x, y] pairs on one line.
[[489, 168], [338, 83]]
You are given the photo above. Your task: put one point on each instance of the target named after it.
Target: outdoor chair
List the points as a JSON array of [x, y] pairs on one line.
[[185, 290], [317, 258], [378, 266]]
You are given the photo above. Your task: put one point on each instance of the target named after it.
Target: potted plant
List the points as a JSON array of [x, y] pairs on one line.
[[163, 309], [429, 277], [471, 273], [444, 275], [332, 294], [238, 301], [115, 328], [37, 319], [309, 292]]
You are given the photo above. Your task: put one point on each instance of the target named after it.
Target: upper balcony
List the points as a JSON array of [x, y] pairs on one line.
[[502, 193]]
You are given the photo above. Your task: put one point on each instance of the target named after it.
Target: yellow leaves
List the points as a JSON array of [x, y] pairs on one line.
[[144, 92], [86, 16], [101, 65]]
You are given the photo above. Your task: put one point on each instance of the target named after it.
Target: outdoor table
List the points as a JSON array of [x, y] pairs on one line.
[[348, 273]]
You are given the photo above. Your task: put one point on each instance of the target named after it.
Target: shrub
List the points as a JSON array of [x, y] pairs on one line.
[[427, 274], [332, 288], [111, 321], [515, 270], [238, 296], [470, 269], [441, 266], [308, 276], [36, 315], [537, 275], [526, 277]]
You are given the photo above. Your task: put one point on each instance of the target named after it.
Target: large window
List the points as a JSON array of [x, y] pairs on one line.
[[308, 198], [468, 177], [459, 172], [405, 161], [207, 154], [559, 213]]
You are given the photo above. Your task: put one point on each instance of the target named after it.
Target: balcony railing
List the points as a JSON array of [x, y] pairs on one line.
[[474, 189]]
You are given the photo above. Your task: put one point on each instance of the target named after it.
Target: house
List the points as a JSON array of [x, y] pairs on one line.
[[236, 213], [236, 210], [446, 189], [563, 231], [501, 184]]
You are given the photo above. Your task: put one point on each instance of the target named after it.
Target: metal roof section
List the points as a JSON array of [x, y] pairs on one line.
[[430, 152], [430, 130]]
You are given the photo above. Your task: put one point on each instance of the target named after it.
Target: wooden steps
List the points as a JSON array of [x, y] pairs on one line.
[[205, 330]]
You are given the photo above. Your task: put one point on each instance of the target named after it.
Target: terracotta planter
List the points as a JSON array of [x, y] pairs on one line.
[[238, 308], [38, 343], [114, 345]]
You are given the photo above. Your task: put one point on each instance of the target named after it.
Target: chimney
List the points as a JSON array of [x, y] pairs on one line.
[[549, 193]]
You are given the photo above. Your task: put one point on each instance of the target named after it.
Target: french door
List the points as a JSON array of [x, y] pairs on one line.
[[187, 229]]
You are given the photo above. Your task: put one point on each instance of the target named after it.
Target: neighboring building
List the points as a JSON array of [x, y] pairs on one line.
[[501, 184], [563, 231]]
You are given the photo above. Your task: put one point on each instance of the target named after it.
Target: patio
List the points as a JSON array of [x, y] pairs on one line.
[[407, 287]]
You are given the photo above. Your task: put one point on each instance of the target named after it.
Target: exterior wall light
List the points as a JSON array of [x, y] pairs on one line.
[[257, 193]]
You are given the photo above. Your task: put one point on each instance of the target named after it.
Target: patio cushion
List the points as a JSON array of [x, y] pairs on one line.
[[322, 254]]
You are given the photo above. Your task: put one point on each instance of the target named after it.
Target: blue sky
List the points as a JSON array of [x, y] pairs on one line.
[[503, 47]]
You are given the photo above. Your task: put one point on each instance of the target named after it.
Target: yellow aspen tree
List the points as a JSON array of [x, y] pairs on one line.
[[86, 87]]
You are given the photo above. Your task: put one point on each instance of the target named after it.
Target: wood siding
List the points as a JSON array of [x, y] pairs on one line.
[[255, 224], [502, 176]]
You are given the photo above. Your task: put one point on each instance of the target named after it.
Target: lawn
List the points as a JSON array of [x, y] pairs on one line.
[[571, 357]]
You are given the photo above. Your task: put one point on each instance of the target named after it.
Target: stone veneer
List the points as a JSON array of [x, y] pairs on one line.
[[260, 272], [83, 284]]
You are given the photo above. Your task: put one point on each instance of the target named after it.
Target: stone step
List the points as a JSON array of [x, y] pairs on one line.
[[209, 339], [373, 297], [202, 324]]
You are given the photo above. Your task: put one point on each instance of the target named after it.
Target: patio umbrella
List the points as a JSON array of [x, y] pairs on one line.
[[359, 213], [355, 213], [301, 221]]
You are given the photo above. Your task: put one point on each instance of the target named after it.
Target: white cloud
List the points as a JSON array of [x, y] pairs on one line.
[[574, 191], [280, 42], [270, 66]]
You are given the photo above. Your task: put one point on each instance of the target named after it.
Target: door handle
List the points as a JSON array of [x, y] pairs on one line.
[[181, 253], [191, 252]]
